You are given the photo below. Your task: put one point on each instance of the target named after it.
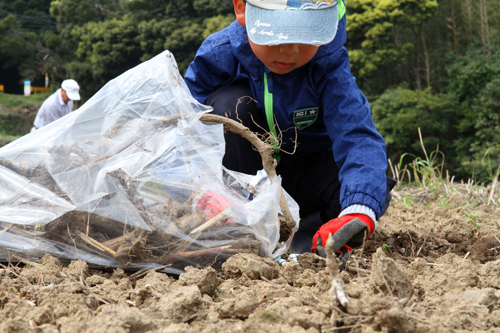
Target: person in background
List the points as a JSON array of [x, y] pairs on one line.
[[58, 104], [282, 68]]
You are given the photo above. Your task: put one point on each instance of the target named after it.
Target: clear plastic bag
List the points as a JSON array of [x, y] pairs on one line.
[[116, 185]]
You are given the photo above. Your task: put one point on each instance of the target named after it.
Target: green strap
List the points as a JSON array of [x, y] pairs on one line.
[[268, 104], [268, 99], [341, 9]]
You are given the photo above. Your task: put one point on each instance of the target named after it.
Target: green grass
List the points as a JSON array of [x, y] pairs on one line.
[[10, 100], [6, 139], [473, 218], [424, 182], [13, 123]]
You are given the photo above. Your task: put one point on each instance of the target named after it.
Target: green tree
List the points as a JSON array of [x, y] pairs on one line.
[[471, 78], [69, 49], [217, 23], [78, 12], [177, 26], [14, 43], [33, 21], [105, 50], [486, 141], [26, 7], [33, 15], [71, 14], [145, 10], [17, 49], [212, 8], [182, 39], [379, 42], [398, 114]]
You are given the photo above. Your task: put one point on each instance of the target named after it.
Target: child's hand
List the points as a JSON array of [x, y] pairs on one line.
[[348, 231]]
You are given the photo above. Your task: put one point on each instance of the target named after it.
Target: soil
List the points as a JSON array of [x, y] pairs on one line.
[[425, 269]]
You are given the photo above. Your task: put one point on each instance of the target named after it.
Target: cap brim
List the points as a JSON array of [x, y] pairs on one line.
[[272, 27], [73, 95]]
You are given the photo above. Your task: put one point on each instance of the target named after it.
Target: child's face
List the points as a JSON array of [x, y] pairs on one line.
[[279, 59], [284, 58]]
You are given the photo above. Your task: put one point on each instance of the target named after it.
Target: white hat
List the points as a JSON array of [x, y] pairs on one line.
[[71, 88], [272, 22]]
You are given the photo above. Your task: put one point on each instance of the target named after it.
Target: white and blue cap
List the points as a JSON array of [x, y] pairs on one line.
[[272, 22], [71, 88]]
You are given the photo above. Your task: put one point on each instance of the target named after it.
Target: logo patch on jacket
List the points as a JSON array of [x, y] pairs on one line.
[[305, 117]]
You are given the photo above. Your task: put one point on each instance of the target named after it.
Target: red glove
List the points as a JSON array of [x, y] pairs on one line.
[[213, 205], [348, 231]]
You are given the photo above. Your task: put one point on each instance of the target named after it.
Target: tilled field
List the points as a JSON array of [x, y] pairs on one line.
[[429, 269]]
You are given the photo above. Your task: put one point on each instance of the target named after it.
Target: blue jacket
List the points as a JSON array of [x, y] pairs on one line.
[[322, 92]]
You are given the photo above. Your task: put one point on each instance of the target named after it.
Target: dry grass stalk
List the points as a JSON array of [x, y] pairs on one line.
[[490, 198], [219, 217], [25, 261], [395, 175], [432, 172], [219, 249], [145, 271], [95, 243], [332, 264], [114, 243], [357, 270], [7, 229]]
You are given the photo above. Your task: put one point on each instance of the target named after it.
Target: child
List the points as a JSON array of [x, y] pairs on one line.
[[281, 68]]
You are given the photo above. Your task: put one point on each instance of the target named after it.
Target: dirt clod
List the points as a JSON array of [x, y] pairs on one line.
[[388, 278], [250, 265], [311, 261], [206, 280], [435, 273], [182, 305], [291, 271]]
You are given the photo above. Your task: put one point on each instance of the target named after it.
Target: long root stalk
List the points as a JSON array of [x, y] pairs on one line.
[[332, 265]]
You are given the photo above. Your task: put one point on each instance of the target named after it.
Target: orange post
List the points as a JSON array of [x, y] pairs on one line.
[[36, 90]]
